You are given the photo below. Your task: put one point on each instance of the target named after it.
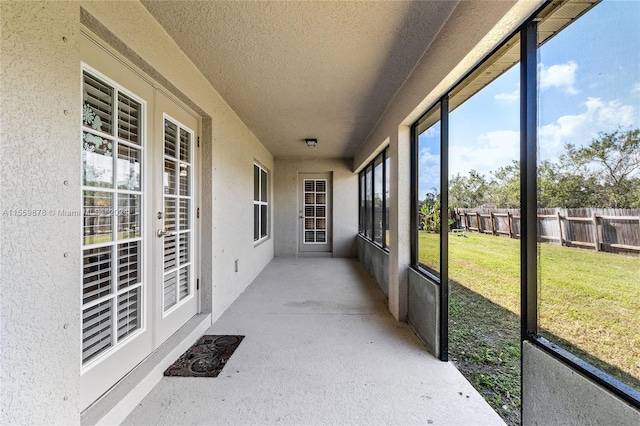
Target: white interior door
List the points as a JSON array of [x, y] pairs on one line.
[[175, 280], [315, 213]]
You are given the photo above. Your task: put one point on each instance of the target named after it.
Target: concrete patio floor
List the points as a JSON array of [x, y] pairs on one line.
[[320, 348]]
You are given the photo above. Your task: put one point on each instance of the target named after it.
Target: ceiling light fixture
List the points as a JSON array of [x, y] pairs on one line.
[[311, 143]]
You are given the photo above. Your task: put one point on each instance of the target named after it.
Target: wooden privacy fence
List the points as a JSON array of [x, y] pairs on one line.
[[610, 230]]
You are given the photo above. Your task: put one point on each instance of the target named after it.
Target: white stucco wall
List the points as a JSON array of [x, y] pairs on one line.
[[345, 204], [40, 109], [40, 263]]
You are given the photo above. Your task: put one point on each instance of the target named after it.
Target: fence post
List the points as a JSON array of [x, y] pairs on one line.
[[509, 223], [493, 224], [479, 220], [596, 239], [560, 228]]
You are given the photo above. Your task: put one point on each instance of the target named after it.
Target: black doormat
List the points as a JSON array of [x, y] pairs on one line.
[[206, 358]]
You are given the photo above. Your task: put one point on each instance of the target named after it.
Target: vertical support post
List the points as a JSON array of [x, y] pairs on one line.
[[559, 218], [479, 222], [596, 238], [444, 235], [510, 224], [401, 220], [528, 180]]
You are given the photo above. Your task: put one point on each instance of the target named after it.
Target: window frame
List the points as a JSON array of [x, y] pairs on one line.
[[377, 165], [438, 111], [386, 182], [529, 80], [368, 202], [260, 203], [367, 217], [529, 45], [361, 183]]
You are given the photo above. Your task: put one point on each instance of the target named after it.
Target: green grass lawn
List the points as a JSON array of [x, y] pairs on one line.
[[589, 302], [484, 344]]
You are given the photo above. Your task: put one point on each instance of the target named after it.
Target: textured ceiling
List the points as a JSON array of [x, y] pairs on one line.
[[295, 70]]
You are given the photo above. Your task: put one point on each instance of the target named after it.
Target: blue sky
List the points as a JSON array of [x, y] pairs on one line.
[[589, 82]]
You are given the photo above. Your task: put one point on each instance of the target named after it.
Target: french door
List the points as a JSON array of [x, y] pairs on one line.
[[139, 231], [176, 299]]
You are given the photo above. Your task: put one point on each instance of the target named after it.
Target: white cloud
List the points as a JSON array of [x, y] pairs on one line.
[[561, 76], [429, 171], [580, 129], [635, 90], [433, 131], [491, 150], [508, 97], [499, 148]]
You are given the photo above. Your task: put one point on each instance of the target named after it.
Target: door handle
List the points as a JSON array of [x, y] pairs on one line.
[[160, 233]]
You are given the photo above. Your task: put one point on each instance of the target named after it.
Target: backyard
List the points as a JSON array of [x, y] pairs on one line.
[[588, 304]]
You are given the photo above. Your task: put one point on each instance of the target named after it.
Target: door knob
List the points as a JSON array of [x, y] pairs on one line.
[[160, 233]]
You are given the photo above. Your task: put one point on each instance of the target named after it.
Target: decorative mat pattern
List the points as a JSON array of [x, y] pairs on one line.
[[206, 358]]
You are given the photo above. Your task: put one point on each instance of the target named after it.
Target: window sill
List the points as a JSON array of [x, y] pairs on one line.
[[375, 243], [262, 241], [426, 273]]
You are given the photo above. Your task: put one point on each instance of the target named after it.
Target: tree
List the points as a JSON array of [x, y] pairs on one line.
[[605, 174], [430, 212], [616, 159], [505, 186], [430, 217], [468, 191], [560, 186]]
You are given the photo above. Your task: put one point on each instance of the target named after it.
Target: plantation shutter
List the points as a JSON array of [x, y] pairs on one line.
[[112, 282], [315, 211], [177, 214]]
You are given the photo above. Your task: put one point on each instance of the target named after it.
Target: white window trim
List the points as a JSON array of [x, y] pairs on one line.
[[260, 203]]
